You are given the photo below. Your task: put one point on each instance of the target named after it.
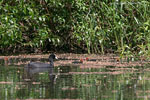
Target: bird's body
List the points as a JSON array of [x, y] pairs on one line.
[[36, 67], [42, 65]]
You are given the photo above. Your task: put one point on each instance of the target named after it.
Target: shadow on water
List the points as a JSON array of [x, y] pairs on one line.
[[75, 83]]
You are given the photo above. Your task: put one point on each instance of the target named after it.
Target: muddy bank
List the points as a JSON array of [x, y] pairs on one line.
[[82, 60]]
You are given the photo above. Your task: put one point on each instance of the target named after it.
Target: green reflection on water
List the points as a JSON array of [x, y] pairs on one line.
[[75, 83]]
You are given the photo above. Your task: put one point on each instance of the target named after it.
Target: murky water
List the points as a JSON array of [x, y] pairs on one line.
[[75, 83]]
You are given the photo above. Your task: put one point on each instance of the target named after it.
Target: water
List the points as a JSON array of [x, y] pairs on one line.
[[75, 83]]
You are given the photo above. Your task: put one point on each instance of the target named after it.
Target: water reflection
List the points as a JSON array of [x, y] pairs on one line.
[[60, 84], [72, 82], [32, 73]]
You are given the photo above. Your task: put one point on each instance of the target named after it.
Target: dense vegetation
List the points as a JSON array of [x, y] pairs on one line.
[[93, 26]]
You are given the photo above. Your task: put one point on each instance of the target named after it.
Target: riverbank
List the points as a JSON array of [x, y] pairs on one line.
[[82, 60]]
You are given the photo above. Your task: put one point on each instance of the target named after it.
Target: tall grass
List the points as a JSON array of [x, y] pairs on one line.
[[118, 26]]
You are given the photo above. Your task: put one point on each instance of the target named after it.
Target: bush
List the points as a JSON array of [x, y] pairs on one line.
[[94, 26]]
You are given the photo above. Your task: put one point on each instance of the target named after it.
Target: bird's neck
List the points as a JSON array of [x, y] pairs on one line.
[[51, 62]]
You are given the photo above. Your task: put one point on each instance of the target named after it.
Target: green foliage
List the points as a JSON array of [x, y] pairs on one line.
[[118, 26]]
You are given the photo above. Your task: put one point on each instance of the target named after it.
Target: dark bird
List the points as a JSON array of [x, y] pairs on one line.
[[38, 67]]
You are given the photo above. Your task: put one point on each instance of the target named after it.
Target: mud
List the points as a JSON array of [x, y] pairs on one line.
[[82, 60]]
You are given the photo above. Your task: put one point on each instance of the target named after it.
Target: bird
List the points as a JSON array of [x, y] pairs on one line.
[[43, 65], [37, 67]]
